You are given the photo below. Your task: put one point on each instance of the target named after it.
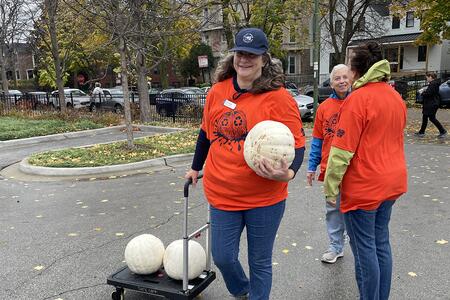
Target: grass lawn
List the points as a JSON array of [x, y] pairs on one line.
[[17, 128], [118, 153], [17, 125]]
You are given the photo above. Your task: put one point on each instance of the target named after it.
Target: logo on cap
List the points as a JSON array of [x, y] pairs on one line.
[[247, 38]]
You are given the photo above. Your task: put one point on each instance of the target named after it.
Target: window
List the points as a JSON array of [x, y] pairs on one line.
[[206, 39], [338, 27], [395, 22], [291, 66], [422, 53], [17, 74], [9, 75], [409, 19], [30, 74]]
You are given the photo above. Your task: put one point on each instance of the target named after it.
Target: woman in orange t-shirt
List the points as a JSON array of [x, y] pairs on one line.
[[367, 162], [249, 90]]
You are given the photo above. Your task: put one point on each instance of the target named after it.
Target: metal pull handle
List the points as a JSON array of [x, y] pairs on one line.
[[188, 183]]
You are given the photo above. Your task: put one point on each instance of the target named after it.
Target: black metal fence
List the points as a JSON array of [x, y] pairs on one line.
[[164, 107]]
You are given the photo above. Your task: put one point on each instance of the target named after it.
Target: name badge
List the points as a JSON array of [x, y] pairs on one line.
[[229, 104]]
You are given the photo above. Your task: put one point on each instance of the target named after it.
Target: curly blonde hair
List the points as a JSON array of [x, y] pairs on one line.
[[272, 76]]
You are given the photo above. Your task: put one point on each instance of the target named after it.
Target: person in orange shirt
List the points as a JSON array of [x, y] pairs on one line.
[[249, 90], [325, 122], [367, 166]]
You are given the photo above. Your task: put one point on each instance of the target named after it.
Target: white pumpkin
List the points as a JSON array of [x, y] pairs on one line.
[[144, 254], [270, 140], [173, 260]]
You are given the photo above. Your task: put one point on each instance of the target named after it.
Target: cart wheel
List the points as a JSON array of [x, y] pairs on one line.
[[118, 294]]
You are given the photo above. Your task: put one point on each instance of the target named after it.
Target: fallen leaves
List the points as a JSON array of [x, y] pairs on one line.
[[441, 242]]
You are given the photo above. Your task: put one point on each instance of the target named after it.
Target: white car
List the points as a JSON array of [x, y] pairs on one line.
[[305, 104], [12, 97], [75, 98]]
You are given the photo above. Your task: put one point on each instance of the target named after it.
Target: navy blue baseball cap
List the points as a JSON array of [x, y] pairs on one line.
[[252, 40]]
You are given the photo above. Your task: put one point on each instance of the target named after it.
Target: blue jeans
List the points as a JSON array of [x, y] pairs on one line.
[[335, 226], [262, 225], [369, 239]]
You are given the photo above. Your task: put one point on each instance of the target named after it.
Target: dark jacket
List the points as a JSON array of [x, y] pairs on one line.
[[431, 98]]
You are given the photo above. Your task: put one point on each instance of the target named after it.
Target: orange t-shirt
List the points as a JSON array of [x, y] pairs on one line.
[[228, 182], [371, 124], [327, 116]]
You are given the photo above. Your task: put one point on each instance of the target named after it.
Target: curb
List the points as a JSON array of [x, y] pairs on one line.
[[77, 134], [26, 168]]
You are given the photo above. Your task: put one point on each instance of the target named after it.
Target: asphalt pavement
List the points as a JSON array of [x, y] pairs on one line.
[[61, 239]]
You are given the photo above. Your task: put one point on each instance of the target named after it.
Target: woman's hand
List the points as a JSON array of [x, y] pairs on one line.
[[192, 174], [264, 169]]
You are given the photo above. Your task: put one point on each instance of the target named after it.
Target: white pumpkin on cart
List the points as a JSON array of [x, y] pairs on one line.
[[144, 254]]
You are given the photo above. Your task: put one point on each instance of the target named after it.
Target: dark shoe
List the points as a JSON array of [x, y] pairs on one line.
[[243, 297], [442, 135], [419, 134]]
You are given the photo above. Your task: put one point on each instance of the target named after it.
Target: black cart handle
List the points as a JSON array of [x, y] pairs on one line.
[[188, 183]]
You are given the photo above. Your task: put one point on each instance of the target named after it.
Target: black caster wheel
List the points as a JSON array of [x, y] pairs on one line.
[[118, 294]]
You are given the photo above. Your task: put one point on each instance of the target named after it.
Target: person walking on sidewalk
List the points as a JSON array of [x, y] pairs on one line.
[[367, 166], [249, 90], [324, 129], [430, 105]]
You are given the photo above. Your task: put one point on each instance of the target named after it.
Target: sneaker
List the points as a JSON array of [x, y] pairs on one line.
[[243, 297], [442, 135], [419, 134], [330, 257]]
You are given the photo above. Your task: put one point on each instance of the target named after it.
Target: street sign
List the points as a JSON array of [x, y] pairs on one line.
[[202, 61]]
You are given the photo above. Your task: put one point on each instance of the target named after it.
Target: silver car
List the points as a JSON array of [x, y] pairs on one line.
[[305, 104], [111, 100]]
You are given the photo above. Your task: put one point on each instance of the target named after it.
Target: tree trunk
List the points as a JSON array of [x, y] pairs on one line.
[[144, 100], [164, 75], [5, 85], [51, 6], [126, 97]]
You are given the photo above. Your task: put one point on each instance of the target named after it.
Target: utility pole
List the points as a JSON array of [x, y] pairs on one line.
[[316, 53]]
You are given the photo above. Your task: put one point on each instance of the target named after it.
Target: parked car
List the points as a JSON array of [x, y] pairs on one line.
[[169, 102], [305, 103], [74, 98], [111, 100], [324, 89], [444, 92], [37, 99], [12, 97], [152, 94]]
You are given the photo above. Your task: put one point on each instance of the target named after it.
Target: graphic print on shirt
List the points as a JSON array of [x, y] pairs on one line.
[[330, 125], [231, 129]]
